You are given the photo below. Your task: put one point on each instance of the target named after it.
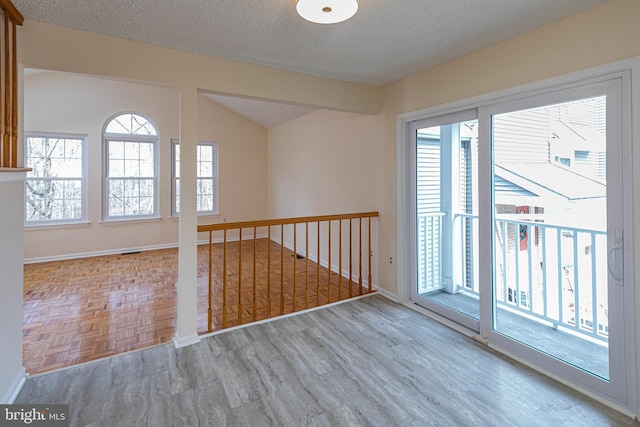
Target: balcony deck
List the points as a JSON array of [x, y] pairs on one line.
[[588, 355]]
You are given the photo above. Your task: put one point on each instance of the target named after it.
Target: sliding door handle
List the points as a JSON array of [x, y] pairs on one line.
[[613, 254]]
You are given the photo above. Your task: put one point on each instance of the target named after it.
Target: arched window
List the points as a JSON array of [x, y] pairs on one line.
[[131, 167]]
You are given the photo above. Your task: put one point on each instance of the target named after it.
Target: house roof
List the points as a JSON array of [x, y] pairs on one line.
[[538, 178]]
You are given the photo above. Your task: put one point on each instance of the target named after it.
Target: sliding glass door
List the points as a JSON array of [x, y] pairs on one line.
[[518, 218], [555, 184], [446, 217]]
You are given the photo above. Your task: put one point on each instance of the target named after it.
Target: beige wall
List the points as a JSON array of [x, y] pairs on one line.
[[320, 163], [72, 103], [242, 148], [327, 163], [11, 370], [56, 48]]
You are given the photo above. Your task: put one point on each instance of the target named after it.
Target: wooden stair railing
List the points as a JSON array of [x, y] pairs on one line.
[[270, 296], [9, 87]]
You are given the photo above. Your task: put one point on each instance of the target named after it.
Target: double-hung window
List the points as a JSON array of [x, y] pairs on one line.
[[206, 175], [131, 168], [55, 186]]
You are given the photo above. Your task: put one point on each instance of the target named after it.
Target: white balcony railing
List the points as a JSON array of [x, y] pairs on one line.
[[553, 274]]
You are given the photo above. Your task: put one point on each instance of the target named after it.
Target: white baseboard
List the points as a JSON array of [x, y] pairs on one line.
[[15, 387], [99, 253], [323, 263], [385, 293], [180, 342], [128, 250]]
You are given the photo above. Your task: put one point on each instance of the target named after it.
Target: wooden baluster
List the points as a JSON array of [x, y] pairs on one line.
[[210, 291], [330, 255], [369, 280], [295, 263], [255, 307], [6, 142], [14, 99], [329, 265], [306, 250], [318, 269], [224, 279], [240, 278], [340, 261], [350, 257], [281, 269], [268, 271], [360, 256]]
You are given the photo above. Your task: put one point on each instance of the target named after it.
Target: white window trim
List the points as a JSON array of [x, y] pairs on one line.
[[42, 224], [216, 178], [109, 137]]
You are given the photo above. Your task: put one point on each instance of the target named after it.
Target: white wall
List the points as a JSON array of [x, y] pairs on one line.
[[11, 214], [72, 103], [326, 163]]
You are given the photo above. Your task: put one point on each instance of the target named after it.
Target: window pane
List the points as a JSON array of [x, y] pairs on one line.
[[205, 152], [146, 205], [131, 168], [177, 195], [176, 159], [56, 148], [116, 150], [205, 169], [550, 253], [146, 151], [146, 188], [116, 168], [146, 168], [131, 150], [131, 188], [72, 168], [205, 195], [205, 173], [54, 190], [132, 124]]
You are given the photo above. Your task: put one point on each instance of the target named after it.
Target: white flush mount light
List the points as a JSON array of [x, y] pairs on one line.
[[326, 11]]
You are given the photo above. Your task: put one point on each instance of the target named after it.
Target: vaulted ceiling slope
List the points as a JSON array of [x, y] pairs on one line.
[[385, 41]]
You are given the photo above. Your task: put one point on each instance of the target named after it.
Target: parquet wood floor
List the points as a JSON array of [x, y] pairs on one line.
[[85, 309]]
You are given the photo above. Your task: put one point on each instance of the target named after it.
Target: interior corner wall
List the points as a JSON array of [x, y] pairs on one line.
[[242, 161], [325, 163], [76, 104]]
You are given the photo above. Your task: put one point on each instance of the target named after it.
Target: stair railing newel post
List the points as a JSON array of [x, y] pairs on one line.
[[9, 108]]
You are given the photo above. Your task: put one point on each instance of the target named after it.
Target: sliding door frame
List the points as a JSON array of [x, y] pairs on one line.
[[628, 72]]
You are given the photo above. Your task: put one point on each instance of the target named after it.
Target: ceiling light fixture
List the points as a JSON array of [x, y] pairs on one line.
[[326, 11]]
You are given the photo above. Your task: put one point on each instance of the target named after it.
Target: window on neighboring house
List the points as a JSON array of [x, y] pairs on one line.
[[131, 168], [55, 187], [206, 175]]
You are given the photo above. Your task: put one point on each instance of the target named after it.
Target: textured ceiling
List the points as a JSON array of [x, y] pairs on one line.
[[384, 42]]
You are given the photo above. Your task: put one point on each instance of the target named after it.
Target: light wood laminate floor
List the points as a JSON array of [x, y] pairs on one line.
[[85, 309], [365, 362]]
